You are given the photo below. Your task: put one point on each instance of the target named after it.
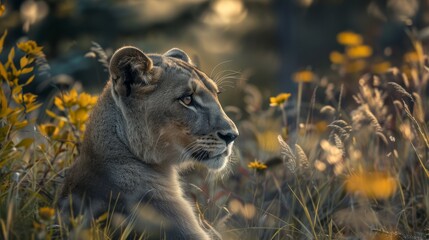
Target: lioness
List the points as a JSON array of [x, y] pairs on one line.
[[156, 114]]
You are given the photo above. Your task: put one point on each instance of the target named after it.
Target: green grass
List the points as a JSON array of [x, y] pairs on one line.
[[355, 166]]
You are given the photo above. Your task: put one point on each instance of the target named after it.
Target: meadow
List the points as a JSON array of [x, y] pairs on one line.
[[349, 162]]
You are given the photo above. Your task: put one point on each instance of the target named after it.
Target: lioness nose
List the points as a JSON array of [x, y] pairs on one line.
[[228, 137]]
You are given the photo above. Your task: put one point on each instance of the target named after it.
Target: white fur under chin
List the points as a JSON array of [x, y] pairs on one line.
[[216, 164], [219, 163]]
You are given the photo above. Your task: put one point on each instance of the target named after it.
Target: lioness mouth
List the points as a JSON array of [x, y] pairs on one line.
[[201, 155]]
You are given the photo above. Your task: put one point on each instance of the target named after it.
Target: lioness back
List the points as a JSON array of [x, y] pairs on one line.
[[156, 114]]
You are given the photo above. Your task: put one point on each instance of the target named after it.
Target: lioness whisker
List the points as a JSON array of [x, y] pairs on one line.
[[226, 72], [218, 79], [218, 65]]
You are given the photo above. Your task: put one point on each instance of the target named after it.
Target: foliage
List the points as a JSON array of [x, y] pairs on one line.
[[33, 156], [359, 171]]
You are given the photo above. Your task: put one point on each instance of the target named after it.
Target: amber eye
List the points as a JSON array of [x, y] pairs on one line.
[[187, 100]]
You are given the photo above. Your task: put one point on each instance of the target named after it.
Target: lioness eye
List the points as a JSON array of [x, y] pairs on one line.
[[186, 99]]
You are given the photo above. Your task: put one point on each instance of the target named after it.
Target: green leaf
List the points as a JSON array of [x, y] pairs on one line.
[[23, 62], [5, 112], [20, 125], [53, 115], [6, 153], [11, 56], [33, 107], [26, 143], [3, 72], [16, 90], [3, 132], [103, 217], [27, 70], [2, 40], [30, 79], [4, 108]]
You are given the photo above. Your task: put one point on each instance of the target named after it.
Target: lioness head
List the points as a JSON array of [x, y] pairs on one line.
[[171, 112]]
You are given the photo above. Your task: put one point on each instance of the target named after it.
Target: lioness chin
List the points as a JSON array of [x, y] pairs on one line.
[[156, 113]]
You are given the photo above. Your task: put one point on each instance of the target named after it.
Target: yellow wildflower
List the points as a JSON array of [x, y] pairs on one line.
[[411, 57], [378, 185], [386, 236], [355, 66], [79, 116], [381, 67], [26, 98], [85, 100], [59, 103], [349, 38], [336, 57], [30, 47], [279, 99], [267, 141], [46, 213], [303, 76], [38, 227], [256, 165], [321, 126], [67, 100], [361, 51], [2, 9]]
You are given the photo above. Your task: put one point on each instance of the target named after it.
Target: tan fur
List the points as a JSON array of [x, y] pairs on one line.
[[140, 132]]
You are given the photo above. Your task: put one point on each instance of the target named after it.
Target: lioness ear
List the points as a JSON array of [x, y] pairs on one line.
[[129, 67], [178, 53]]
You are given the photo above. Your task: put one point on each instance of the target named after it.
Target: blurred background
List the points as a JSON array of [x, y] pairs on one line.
[[264, 41]]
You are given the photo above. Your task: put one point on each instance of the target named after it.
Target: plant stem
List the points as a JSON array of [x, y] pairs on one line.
[[298, 110]]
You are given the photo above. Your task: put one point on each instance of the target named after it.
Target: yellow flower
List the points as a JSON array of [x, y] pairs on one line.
[[336, 57], [79, 116], [411, 57], [349, 38], [378, 185], [67, 100], [38, 227], [386, 236], [381, 67], [279, 99], [49, 130], [321, 126], [361, 51], [256, 165], [2, 9], [30, 47], [268, 141], [303, 76], [59, 103], [46, 213], [355, 66], [85, 100], [26, 98]]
